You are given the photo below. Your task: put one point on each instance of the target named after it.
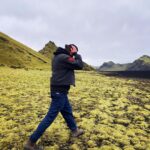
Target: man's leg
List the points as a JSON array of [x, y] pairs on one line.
[[68, 115], [54, 109]]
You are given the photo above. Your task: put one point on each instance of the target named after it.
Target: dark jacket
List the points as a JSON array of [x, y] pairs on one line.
[[63, 66]]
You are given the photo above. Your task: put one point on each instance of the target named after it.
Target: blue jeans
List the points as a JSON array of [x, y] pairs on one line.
[[59, 103]]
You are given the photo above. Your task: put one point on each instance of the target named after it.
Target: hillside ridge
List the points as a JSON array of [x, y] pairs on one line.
[[17, 55], [140, 64]]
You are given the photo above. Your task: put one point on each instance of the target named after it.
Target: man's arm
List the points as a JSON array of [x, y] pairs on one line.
[[74, 63]]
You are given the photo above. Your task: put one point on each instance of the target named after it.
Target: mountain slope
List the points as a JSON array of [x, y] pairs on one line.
[[111, 66], [141, 64], [16, 55], [87, 67], [50, 48]]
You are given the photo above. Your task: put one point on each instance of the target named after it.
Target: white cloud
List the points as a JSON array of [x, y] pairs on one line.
[[115, 30]]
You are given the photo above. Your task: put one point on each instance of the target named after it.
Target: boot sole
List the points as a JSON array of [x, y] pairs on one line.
[[78, 135]]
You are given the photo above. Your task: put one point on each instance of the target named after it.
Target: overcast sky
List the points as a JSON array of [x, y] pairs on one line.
[[104, 30]]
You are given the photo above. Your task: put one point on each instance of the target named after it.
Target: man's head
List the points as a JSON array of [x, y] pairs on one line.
[[71, 48]]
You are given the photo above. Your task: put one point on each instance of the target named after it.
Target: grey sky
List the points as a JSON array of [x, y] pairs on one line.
[[104, 30]]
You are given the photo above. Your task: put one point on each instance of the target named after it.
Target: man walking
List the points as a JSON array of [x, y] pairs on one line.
[[64, 63]]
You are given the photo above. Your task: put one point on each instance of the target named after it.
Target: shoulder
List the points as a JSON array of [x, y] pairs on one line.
[[66, 58], [63, 56]]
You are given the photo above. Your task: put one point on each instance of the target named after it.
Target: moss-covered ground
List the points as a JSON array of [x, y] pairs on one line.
[[114, 112]]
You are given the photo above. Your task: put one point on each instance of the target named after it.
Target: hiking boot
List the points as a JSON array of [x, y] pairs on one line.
[[77, 132], [31, 146]]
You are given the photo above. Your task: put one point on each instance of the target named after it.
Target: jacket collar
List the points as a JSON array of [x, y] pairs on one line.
[[61, 51]]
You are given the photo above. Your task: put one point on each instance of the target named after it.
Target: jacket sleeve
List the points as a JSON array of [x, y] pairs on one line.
[[74, 63]]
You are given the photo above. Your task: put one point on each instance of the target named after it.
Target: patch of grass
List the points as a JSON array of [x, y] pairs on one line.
[[105, 107]]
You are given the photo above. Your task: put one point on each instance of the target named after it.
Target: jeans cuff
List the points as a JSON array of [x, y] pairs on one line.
[[74, 129]]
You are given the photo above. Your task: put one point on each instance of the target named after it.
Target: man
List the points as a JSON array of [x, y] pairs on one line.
[[64, 63]]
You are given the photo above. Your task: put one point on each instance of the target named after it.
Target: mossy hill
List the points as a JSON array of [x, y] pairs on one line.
[[140, 64], [16, 55], [51, 47], [48, 50], [111, 66]]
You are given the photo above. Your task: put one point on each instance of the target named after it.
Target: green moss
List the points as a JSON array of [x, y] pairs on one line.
[[129, 148], [91, 143], [74, 147], [109, 147], [147, 106], [123, 121], [54, 147], [108, 122]]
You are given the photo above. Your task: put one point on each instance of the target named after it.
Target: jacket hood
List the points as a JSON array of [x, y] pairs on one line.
[[61, 51]]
